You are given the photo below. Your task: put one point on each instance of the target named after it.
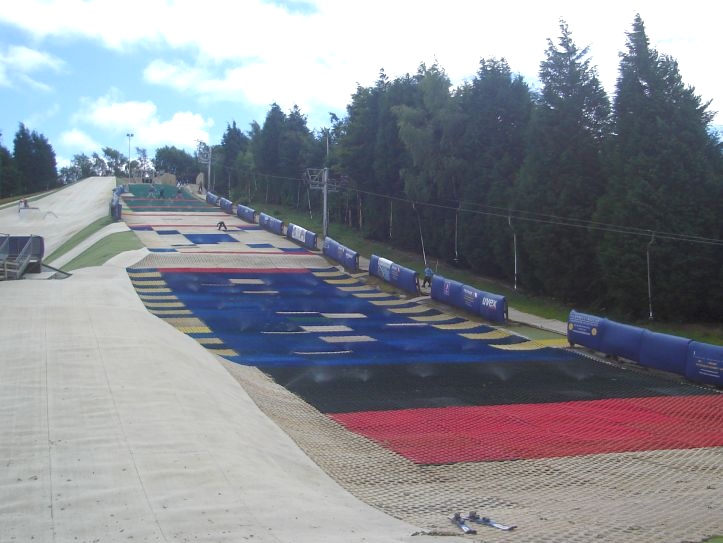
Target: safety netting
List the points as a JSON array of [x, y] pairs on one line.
[[155, 197]]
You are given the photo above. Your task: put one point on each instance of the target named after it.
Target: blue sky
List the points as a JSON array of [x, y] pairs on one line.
[[84, 73]]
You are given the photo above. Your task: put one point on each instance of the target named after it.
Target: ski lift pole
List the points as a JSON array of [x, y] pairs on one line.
[[325, 177], [421, 237], [456, 232], [514, 245], [650, 288]]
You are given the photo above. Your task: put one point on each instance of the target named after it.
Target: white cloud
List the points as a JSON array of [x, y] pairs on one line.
[[17, 63], [118, 117], [80, 141], [314, 54], [181, 130], [110, 113], [178, 75]]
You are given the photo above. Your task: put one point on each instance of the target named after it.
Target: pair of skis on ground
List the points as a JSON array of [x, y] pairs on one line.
[[461, 522]]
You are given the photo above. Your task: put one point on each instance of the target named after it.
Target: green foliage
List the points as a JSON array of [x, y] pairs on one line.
[[34, 162], [177, 162], [562, 174], [116, 163], [664, 167], [497, 107], [586, 190], [9, 178]]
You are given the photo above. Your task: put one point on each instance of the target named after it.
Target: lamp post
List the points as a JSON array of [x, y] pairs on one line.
[[129, 135]]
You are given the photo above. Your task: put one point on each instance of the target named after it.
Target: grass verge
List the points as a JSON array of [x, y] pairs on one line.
[[85, 233], [100, 252]]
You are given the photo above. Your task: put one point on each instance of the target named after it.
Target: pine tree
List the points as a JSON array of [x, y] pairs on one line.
[[497, 106], [562, 176], [665, 167]]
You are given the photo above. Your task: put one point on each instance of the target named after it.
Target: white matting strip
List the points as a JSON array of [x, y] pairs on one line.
[[330, 328], [347, 339]]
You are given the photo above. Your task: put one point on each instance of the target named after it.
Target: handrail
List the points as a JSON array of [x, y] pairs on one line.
[[20, 262], [4, 247]]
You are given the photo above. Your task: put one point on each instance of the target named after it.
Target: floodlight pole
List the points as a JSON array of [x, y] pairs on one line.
[[129, 136], [325, 180], [210, 157]]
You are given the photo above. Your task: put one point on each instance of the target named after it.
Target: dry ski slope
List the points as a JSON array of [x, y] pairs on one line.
[[116, 427], [385, 394]]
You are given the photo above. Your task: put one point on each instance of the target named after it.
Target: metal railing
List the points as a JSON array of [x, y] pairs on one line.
[[14, 267]]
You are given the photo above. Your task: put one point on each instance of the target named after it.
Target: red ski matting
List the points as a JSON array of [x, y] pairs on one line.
[[526, 431]]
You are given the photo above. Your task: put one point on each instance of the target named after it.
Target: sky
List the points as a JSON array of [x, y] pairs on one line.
[[86, 73]]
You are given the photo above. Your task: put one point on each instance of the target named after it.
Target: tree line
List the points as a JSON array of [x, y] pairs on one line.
[[611, 204]]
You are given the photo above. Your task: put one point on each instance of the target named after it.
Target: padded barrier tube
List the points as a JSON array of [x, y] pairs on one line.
[[704, 363], [397, 275], [271, 224], [492, 307], [621, 340], [447, 291], [226, 205], [211, 198], [699, 362], [585, 330], [302, 235], [345, 256], [664, 352], [246, 213]]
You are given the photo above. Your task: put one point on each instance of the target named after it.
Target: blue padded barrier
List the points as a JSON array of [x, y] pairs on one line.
[[226, 205], [621, 340], [492, 307], [348, 258], [664, 352], [271, 224], [211, 198], [399, 276], [704, 363], [302, 235], [696, 361], [585, 330], [447, 291], [246, 213]]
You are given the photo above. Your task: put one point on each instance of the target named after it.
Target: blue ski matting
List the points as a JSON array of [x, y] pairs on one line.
[[210, 239], [294, 318], [343, 353]]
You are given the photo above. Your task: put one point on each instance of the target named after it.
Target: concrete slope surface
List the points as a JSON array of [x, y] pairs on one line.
[[116, 427], [62, 214]]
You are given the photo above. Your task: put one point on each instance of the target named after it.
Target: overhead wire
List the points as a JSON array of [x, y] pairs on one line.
[[525, 215]]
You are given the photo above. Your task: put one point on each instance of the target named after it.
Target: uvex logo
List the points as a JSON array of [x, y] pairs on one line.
[[489, 302]]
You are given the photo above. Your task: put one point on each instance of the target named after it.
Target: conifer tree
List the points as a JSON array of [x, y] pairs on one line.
[[496, 105], [665, 167], [562, 176]]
